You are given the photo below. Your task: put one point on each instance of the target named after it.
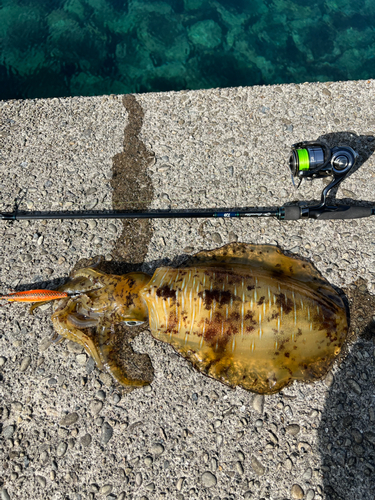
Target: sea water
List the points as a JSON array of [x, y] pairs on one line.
[[91, 47]]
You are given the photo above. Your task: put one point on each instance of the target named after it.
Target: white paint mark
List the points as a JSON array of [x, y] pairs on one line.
[[233, 344]]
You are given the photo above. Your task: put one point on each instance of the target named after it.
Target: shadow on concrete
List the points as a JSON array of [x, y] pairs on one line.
[[347, 428]]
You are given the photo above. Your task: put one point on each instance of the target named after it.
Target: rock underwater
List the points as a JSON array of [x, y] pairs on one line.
[[246, 315]]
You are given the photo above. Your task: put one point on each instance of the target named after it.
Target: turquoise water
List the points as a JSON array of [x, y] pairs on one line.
[[90, 47]]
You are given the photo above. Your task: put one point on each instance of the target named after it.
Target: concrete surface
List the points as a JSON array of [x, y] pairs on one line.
[[67, 430]]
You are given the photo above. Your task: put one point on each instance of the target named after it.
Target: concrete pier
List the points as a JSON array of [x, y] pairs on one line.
[[185, 436]]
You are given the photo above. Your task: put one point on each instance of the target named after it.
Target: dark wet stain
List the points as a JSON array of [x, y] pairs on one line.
[[132, 189]]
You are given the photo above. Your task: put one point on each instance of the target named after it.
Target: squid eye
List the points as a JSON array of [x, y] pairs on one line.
[[133, 323]]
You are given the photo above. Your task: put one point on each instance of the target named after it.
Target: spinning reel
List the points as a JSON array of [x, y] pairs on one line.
[[310, 160]]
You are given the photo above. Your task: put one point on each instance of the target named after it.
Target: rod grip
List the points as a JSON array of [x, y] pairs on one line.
[[292, 213], [342, 213]]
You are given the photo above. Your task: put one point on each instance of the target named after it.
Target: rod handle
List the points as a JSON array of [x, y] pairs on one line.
[[343, 212]]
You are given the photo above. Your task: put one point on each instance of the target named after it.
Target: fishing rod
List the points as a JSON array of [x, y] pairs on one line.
[[308, 160]]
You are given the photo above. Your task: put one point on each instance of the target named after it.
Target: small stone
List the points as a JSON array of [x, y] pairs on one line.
[[150, 487], [310, 495], [61, 449], [4, 494], [258, 468], [329, 379], [288, 464], [41, 480], [157, 449], [293, 429], [69, 419], [297, 492], [188, 249], [208, 479], [148, 461], [25, 363], [307, 474], [73, 347], [216, 238], [81, 359], [258, 403], [86, 440], [112, 228], [354, 386], [44, 345], [90, 365], [107, 433], [239, 468], [106, 489], [2, 361], [138, 479], [91, 204], [8, 431], [101, 395], [180, 483], [95, 407], [116, 398], [106, 379]]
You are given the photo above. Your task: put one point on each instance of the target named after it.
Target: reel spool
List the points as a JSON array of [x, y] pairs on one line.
[[316, 160]]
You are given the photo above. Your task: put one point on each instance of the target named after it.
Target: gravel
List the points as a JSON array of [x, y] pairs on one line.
[[212, 148]]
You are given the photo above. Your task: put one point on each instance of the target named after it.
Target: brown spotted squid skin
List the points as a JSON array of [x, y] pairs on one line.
[[246, 315]]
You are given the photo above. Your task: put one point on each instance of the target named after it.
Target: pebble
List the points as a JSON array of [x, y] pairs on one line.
[[329, 379], [116, 398], [239, 468], [69, 419], [258, 403], [25, 363], [288, 464], [90, 365], [8, 431], [138, 479], [2, 361], [292, 429], [150, 487], [95, 407], [91, 204], [112, 228], [61, 449], [4, 494], [148, 461], [297, 492], [81, 359], [216, 238], [101, 395], [106, 489], [354, 386], [257, 466], [41, 480], [307, 474], [107, 433], [157, 449], [180, 483], [73, 347], [208, 479], [310, 495], [86, 440]]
